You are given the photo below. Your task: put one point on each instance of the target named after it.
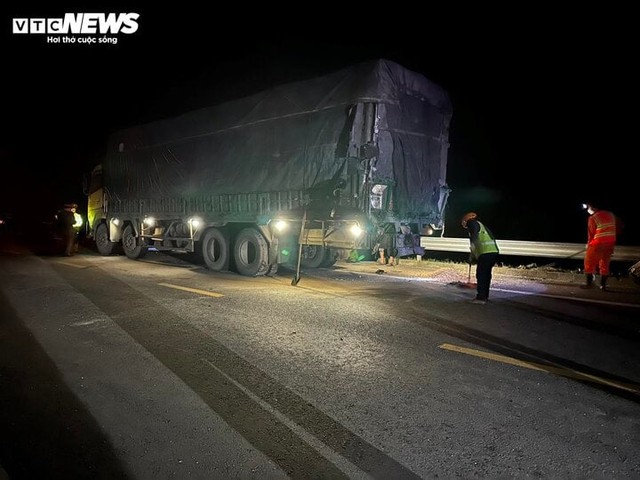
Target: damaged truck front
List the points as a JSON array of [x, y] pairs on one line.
[[320, 168]]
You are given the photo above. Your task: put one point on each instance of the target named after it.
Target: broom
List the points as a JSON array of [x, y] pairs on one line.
[[468, 284]]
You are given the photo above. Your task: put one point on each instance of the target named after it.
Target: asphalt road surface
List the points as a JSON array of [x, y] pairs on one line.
[[160, 369]]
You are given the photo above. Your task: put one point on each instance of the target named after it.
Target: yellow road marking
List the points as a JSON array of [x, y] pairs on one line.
[[564, 372], [69, 264], [192, 290]]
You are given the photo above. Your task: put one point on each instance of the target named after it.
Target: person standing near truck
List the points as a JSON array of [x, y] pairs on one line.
[[484, 251], [603, 228], [70, 222], [387, 251]]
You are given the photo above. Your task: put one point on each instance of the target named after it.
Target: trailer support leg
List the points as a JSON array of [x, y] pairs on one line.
[[296, 279]]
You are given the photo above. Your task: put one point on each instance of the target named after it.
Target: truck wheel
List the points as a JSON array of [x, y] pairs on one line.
[[272, 270], [314, 256], [103, 244], [131, 249], [251, 253], [215, 250], [330, 258]]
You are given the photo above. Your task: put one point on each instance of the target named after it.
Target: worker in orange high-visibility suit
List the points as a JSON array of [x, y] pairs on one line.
[[603, 228]]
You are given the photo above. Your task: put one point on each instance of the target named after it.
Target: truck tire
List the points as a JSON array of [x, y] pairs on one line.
[[130, 246], [315, 256], [272, 270], [251, 253], [215, 250], [103, 244], [330, 258]]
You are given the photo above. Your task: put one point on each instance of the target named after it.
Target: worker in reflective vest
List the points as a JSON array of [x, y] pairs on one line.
[[603, 228], [484, 251], [70, 222]]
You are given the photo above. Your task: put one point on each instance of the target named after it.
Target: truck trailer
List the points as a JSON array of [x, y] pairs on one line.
[[301, 174]]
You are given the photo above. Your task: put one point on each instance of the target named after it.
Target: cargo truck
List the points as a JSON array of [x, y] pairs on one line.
[[300, 174]]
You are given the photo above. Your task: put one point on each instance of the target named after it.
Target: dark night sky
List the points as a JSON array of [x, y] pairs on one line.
[[542, 99]]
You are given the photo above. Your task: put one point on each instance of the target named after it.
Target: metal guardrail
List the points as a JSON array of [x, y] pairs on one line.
[[529, 249]]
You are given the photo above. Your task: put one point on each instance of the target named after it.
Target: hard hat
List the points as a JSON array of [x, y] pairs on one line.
[[467, 217]]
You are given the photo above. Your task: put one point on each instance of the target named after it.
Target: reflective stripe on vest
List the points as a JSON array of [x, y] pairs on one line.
[[485, 243], [605, 227]]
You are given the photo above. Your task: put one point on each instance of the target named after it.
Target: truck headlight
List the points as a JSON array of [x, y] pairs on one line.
[[280, 225], [356, 231]]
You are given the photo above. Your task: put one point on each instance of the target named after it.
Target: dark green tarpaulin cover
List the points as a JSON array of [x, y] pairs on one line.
[[292, 137]]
